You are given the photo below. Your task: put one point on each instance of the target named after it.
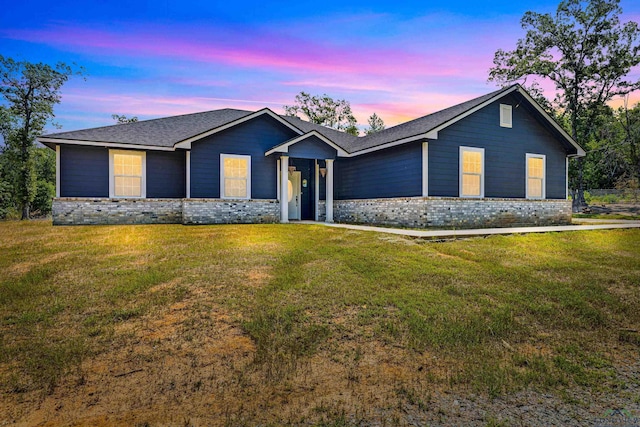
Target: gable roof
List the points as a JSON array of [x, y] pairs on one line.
[[163, 132], [284, 147], [174, 132], [421, 126]]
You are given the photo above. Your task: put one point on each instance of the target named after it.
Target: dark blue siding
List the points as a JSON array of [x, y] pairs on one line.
[[505, 152], [394, 172], [312, 148], [252, 138], [84, 171], [322, 186], [166, 174]]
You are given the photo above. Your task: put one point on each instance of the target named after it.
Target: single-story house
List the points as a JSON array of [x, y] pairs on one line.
[[497, 160]]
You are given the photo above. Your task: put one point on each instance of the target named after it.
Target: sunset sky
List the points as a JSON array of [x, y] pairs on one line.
[[156, 58]]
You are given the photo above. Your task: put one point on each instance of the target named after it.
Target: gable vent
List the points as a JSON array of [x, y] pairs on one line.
[[506, 119]]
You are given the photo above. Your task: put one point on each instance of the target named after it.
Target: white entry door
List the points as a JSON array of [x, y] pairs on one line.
[[294, 195]]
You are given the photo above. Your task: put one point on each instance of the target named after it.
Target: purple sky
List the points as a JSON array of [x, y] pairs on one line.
[[157, 58]]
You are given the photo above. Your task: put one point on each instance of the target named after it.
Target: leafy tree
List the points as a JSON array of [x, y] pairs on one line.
[[630, 121], [605, 162], [29, 92], [585, 51], [124, 119], [325, 111], [375, 124]]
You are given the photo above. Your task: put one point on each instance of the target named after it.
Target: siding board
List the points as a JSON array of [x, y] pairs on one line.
[[251, 138], [312, 148], [394, 172], [166, 174], [505, 152], [84, 171]]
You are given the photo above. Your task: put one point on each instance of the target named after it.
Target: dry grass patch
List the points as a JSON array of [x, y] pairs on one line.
[[300, 324]]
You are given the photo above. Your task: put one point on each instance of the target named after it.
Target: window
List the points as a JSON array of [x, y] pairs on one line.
[[506, 118], [535, 176], [127, 171], [235, 176], [471, 172]]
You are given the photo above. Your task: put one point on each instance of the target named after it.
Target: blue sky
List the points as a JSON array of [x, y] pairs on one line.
[[157, 58]]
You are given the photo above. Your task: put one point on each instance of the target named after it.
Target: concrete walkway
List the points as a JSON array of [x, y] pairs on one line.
[[481, 231]]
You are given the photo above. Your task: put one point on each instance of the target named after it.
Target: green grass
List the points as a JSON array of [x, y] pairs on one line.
[[503, 313]]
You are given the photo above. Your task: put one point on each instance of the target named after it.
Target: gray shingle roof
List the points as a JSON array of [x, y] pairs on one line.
[[167, 132], [164, 132]]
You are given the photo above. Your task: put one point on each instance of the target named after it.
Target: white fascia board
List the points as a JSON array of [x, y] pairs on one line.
[[580, 151], [186, 144], [284, 148], [103, 144]]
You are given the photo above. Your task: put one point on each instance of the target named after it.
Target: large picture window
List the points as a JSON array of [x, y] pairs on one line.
[[535, 176], [235, 176], [471, 172], [127, 170]]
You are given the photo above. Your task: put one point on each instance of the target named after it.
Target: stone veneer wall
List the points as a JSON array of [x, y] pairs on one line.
[[85, 211], [421, 212], [322, 210], [222, 211], [93, 211]]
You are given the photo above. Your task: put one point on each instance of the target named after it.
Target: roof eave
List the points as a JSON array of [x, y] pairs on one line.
[[105, 144]]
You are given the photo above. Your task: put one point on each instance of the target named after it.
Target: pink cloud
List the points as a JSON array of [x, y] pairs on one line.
[[149, 106], [411, 107], [263, 51]]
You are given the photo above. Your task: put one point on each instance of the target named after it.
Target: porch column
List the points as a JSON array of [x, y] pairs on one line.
[[329, 198], [316, 180], [284, 189]]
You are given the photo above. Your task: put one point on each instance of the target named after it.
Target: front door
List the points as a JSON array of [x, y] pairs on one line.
[[294, 195]]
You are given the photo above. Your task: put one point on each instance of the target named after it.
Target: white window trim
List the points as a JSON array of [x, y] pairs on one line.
[[477, 150], [506, 111], [235, 156], [143, 189], [544, 175]]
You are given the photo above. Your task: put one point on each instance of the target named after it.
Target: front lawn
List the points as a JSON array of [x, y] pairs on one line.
[[300, 323]]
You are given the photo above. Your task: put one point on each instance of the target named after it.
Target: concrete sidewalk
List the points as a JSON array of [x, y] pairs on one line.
[[481, 231]]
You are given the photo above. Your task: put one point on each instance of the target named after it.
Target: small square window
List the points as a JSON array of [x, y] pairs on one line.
[[506, 118]]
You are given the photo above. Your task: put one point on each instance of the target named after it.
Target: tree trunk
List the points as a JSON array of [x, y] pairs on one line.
[[579, 203], [25, 211]]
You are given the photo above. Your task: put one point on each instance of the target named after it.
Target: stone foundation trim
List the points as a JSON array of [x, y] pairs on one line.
[[451, 212], [104, 211], [230, 211], [415, 212], [98, 211]]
